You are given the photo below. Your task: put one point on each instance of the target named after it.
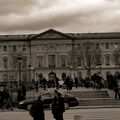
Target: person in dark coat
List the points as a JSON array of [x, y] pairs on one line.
[[23, 91], [19, 94], [37, 110], [67, 82], [76, 81], [58, 106], [116, 89], [44, 83]]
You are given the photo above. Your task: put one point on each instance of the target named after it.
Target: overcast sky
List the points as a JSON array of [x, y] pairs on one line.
[[34, 16]]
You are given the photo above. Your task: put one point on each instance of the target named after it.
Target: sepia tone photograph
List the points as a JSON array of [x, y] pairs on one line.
[[59, 59]]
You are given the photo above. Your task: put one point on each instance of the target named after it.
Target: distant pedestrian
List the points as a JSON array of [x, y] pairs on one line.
[[76, 81], [37, 110], [67, 82], [23, 92], [116, 87], [44, 83], [19, 94], [58, 106]]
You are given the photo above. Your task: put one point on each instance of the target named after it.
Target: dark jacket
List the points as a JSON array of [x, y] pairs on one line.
[[58, 106], [37, 111]]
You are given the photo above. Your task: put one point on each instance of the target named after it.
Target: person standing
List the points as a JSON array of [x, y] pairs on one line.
[[23, 91], [116, 89], [19, 94], [37, 110], [58, 106], [76, 81]]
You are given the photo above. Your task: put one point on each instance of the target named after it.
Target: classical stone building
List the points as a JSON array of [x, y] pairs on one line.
[[27, 57]]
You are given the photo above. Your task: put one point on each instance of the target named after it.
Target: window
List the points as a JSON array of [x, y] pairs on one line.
[[107, 46], [107, 59], [5, 77], [14, 48], [63, 61], [78, 61], [5, 63], [5, 48], [14, 61], [24, 48], [51, 61], [98, 60], [117, 59], [116, 45], [40, 61], [78, 46], [97, 46], [24, 62]]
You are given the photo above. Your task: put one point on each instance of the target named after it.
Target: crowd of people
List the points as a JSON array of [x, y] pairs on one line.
[[95, 81]]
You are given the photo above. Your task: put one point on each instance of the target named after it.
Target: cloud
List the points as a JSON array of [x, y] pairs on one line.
[[16, 6], [67, 15]]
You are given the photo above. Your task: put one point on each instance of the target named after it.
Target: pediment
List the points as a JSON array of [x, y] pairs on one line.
[[51, 34]]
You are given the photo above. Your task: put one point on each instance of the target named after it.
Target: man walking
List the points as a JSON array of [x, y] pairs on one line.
[[58, 106], [37, 110]]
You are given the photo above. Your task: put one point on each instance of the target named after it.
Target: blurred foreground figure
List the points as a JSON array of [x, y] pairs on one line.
[[37, 110], [58, 106]]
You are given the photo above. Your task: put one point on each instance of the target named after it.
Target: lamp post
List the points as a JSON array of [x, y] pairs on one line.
[[29, 67], [100, 68], [19, 58]]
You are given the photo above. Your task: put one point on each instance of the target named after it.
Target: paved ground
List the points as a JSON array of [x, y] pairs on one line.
[[86, 114]]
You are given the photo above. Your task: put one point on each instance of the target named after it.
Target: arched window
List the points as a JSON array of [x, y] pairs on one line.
[[117, 59], [51, 61], [78, 60], [107, 60], [63, 61], [40, 61]]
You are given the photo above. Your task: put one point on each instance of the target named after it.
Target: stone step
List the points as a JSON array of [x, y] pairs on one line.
[[98, 102], [90, 94]]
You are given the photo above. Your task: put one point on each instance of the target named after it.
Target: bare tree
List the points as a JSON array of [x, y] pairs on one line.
[[89, 55]]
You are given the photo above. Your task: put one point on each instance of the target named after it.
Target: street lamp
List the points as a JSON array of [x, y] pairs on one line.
[[19, 58]]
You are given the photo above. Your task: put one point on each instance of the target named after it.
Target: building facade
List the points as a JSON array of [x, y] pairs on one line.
[[27, 57]]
